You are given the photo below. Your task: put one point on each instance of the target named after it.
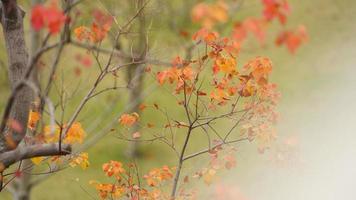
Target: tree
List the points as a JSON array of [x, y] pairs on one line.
[[207, 85]]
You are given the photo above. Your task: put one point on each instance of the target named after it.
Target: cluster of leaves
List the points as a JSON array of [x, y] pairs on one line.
[[99, 29], [54, 133], [221, 86], [126, 182], [210, 14], [219, 159], [50, 17], [292, 39], [229, 82]]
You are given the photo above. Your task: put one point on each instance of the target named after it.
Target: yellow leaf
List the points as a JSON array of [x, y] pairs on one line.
[[37, 160], [81, 160]]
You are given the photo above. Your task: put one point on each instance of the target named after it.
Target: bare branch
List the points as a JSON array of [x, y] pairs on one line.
[[10, 157]]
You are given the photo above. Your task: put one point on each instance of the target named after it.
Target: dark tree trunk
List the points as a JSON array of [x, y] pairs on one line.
[[12, 24]]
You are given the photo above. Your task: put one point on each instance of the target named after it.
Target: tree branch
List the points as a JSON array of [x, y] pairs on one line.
[[10, 157]]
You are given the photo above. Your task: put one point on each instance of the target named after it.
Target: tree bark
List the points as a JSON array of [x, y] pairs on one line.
[[12, 24], [22, 185]]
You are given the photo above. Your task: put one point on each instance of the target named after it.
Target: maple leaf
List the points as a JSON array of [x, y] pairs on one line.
[[37, 160], [276, 9], [113, 168], [80, 160], [247, 87], [106, 189], [162, 77], [82, 33], [128, 119], [255, 26], [105, 20], [50, 17], [157, 175], [292, 39], [51, 133], [75, 134], [207, 36], [219, 95], [210, 14], [260, 68], [37, 18], [226, 65], [55, 18], [98, 30]]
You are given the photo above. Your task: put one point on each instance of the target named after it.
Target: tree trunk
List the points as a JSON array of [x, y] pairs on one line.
[[22, 185], [135, 75], [12, 24]]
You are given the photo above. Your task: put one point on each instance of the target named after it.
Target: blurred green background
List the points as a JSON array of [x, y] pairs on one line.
[[318, 100]]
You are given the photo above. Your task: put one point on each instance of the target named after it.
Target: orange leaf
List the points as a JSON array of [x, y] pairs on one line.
[[128, 119]]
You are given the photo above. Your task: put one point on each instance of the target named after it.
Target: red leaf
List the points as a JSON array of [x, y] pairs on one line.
[[51, 17], [55, 19], [37, 17]]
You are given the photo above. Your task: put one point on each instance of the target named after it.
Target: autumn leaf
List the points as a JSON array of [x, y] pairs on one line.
[[276, 9], [75, 134], [128, 119], [106, 189], [55, 18], [80, 160], [37, 18], [157, 175], [82, 33], [210, 14], [292, 39], [37, 160], [142, 107], [50, 17], [207, 36], [254, 26], [260, 68], [113, 168], [226, 65], [98, 30]]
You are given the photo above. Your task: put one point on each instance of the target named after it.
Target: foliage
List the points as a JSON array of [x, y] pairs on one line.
[[211, 85]]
